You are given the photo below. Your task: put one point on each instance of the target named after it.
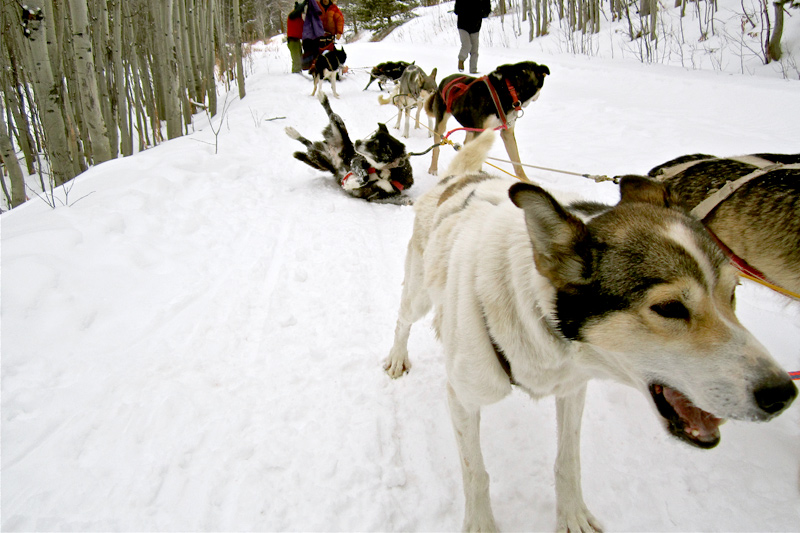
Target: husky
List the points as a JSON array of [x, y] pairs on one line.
[[532, 293], [760, 221], [492, 101], [413, 89], [326, 67], [390, 71], [375, 169]]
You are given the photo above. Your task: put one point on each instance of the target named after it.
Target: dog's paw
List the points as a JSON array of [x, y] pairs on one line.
[[578, 521], [433, 171], [396, 365]]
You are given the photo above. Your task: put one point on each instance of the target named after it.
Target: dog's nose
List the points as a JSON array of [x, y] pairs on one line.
[[775, 395]]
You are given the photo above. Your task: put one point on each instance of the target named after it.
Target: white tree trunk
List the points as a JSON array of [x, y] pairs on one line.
[[87, 83]]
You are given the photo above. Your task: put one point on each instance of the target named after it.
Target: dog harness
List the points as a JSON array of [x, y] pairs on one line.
[[372, 170], [702, 210], [456, 88]]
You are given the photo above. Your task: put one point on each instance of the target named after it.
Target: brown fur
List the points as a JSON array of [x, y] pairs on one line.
[[760, 222]]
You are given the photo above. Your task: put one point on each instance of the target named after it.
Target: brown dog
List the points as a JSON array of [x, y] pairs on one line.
[[760, 221], [495, 100]]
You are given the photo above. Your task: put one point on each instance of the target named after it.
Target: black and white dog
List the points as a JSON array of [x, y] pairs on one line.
[[386, 72], [375, 169], [494, 100], [326, 67]]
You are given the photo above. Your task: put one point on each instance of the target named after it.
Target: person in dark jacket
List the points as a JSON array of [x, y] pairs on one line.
[[294, 34], [470, 14]]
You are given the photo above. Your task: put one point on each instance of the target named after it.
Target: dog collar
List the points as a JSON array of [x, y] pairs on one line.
[[514, 98]]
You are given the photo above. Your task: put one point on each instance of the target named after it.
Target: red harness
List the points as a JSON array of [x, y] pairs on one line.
[[371, 170], [456, 88]]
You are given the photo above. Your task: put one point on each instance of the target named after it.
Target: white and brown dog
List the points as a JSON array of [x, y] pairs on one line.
[[413, 88], [531, 293]]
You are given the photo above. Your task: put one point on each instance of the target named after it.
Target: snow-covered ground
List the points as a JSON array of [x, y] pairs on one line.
[[196, 345]]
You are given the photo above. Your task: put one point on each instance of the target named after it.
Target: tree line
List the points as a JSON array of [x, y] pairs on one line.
[[642, 17], [85, 81]]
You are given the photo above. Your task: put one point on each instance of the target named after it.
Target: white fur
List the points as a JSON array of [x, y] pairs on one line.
[[471, 259]]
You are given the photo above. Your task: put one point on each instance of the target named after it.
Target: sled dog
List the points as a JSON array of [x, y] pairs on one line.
[[386, 72], [494, 100], [326, 67], [531, 293], [413, 89], [760, 221], [375, 168]]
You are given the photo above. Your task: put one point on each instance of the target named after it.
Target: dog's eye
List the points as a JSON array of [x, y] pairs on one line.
[[672, 309]]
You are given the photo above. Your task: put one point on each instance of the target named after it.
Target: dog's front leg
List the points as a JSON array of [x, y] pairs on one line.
[[414, 304], [466, 423], [513, 152], [333, 86], [314, 90], [572, 514], [399, 117]]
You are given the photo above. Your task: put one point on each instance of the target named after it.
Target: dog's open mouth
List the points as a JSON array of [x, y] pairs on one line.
[[685, 420]]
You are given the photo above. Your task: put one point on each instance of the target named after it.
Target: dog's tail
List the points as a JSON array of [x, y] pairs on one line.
[[429, 104], [471, 157], [389, 98]]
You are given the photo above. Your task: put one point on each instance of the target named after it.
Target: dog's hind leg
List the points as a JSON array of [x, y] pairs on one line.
[[414, 304], [333, 84], [571, 511], [513, 152], [478, 514]]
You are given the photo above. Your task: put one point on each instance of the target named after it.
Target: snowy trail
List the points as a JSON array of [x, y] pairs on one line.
[[197, 345]]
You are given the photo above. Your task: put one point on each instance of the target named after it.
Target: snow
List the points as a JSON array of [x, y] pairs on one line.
[[195, 343]]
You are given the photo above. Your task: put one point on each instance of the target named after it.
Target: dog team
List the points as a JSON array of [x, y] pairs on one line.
[[541, 295]]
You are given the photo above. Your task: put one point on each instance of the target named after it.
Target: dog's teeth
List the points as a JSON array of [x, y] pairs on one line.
[[695, 432]]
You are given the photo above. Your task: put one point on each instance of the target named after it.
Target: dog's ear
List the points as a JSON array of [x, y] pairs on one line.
[[559, 239], [644, 190], [542, 70], [433, 76], [382, 128]]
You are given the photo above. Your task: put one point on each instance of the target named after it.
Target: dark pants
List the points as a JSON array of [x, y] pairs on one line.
[[310, 51]]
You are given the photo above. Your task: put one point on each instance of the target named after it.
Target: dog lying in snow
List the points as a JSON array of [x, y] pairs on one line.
[[533, 294], [760, 221], [375, 169]]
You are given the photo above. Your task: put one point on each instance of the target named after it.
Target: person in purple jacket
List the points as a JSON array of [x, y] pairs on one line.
[[312, 31]]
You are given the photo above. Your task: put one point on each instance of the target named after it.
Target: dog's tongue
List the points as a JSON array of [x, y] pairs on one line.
[[700, 424]]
